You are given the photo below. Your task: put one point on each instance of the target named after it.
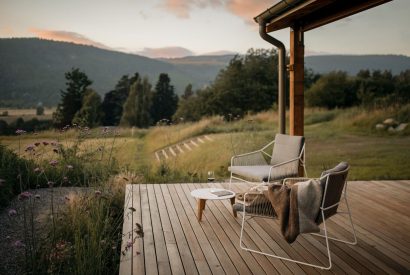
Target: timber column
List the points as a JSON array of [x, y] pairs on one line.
[[296, 77]]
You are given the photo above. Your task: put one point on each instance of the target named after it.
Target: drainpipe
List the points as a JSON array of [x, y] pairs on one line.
[[281, 74]]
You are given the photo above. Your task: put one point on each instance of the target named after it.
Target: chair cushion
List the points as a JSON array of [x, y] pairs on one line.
[[286, 148], [338, 168], [336, 183], [261, 172]]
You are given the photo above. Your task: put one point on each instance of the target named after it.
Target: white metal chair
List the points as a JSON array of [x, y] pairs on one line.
[[334, 185], [287, 155]]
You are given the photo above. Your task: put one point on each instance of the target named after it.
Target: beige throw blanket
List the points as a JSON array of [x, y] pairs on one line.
[[296, 206]]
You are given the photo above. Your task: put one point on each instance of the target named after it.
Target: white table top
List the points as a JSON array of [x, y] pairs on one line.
[[205, 193]]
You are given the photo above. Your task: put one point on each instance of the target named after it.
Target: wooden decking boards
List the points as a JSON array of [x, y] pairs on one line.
[[174, 242]]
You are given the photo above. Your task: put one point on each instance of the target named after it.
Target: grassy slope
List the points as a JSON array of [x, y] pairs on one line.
[[331, 136]]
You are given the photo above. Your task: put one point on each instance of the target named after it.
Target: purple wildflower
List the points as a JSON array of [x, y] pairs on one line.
[[30, 148], [45, 143], [12, 212], [55, 150], [66, 198], [129, 244], [24, 196], [37, 144], [53, 162]]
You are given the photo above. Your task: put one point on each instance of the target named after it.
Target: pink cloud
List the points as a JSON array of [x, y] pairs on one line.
[[248, 9], [166, 52], [66, 37], [182, 8], [245, 9]]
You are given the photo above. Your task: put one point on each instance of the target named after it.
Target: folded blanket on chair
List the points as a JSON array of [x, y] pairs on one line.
[[297, 207]]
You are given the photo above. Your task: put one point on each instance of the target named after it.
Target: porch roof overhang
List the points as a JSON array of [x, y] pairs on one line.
[[311, 14]]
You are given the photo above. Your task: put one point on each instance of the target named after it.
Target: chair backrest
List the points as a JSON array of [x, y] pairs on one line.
[[335, 179], [286, 148]]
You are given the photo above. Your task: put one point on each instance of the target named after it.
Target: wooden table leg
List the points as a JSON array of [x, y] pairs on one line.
[[232, 203], [201, 207]]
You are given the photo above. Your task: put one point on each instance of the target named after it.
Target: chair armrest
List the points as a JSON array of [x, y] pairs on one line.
[[248, 159], [294, 180]]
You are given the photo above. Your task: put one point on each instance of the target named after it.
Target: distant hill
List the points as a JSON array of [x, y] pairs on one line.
[[352, 64], [32, 70]]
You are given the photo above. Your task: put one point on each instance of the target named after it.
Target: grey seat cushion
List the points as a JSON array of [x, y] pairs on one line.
[[261, 172]]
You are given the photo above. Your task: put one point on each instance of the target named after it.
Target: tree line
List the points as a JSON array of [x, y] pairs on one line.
[[247, 85], [133, 102]]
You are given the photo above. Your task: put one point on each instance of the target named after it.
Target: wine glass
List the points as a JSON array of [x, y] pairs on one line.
[[211, 176]]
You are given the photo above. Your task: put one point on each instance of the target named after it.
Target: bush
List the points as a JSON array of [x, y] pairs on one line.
[[333, 90]]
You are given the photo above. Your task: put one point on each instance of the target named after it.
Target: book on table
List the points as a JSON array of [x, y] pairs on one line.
[[222, 193]]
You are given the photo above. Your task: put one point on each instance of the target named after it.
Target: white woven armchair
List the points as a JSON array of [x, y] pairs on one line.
[[288, 154]]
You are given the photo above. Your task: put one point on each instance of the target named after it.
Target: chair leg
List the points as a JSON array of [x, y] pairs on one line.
[[354, 242], [284, 258]]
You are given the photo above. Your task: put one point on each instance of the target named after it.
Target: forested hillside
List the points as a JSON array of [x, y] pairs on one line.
[[32, 70]]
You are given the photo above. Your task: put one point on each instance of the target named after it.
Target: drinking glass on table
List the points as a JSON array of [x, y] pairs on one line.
[[211, 176]]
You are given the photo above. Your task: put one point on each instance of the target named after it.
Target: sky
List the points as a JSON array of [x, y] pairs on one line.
[[175, 28]]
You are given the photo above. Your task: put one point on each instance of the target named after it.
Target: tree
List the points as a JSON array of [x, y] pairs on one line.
[[137, 106], [129, 114], [40, 109], [188, 92], [90, 113], [71, 98], [143, 104], [164, 100], [332, 90], [114, 100]]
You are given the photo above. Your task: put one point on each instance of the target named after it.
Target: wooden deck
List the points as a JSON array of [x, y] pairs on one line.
[[174, 242]]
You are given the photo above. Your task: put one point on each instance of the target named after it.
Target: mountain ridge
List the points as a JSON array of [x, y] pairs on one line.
[[32, 70]]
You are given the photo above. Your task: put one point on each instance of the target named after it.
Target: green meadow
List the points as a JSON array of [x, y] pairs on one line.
[[331, 136]]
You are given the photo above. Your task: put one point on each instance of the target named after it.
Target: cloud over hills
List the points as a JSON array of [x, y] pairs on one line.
[[66, 36]]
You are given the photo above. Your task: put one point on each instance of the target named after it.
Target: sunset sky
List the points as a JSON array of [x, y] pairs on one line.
[[173, 28]]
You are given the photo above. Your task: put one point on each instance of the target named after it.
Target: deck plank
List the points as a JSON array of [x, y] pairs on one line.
[[175, 242]]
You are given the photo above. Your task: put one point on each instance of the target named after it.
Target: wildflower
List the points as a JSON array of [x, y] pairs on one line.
[[86, 129], [65, 179], [129, 244], [37, 169], [12, 212], [30, 148], [37, 144], [102, 242], [97, 193], [50, 184], [113, 247], [69, 167], [24, 196], [18, 244], [53, 162], [55, 150], [20, 132], [66, 198], [37, 196], [45, 143]]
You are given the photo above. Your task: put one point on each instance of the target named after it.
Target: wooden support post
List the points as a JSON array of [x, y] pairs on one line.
[[296, 77]]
